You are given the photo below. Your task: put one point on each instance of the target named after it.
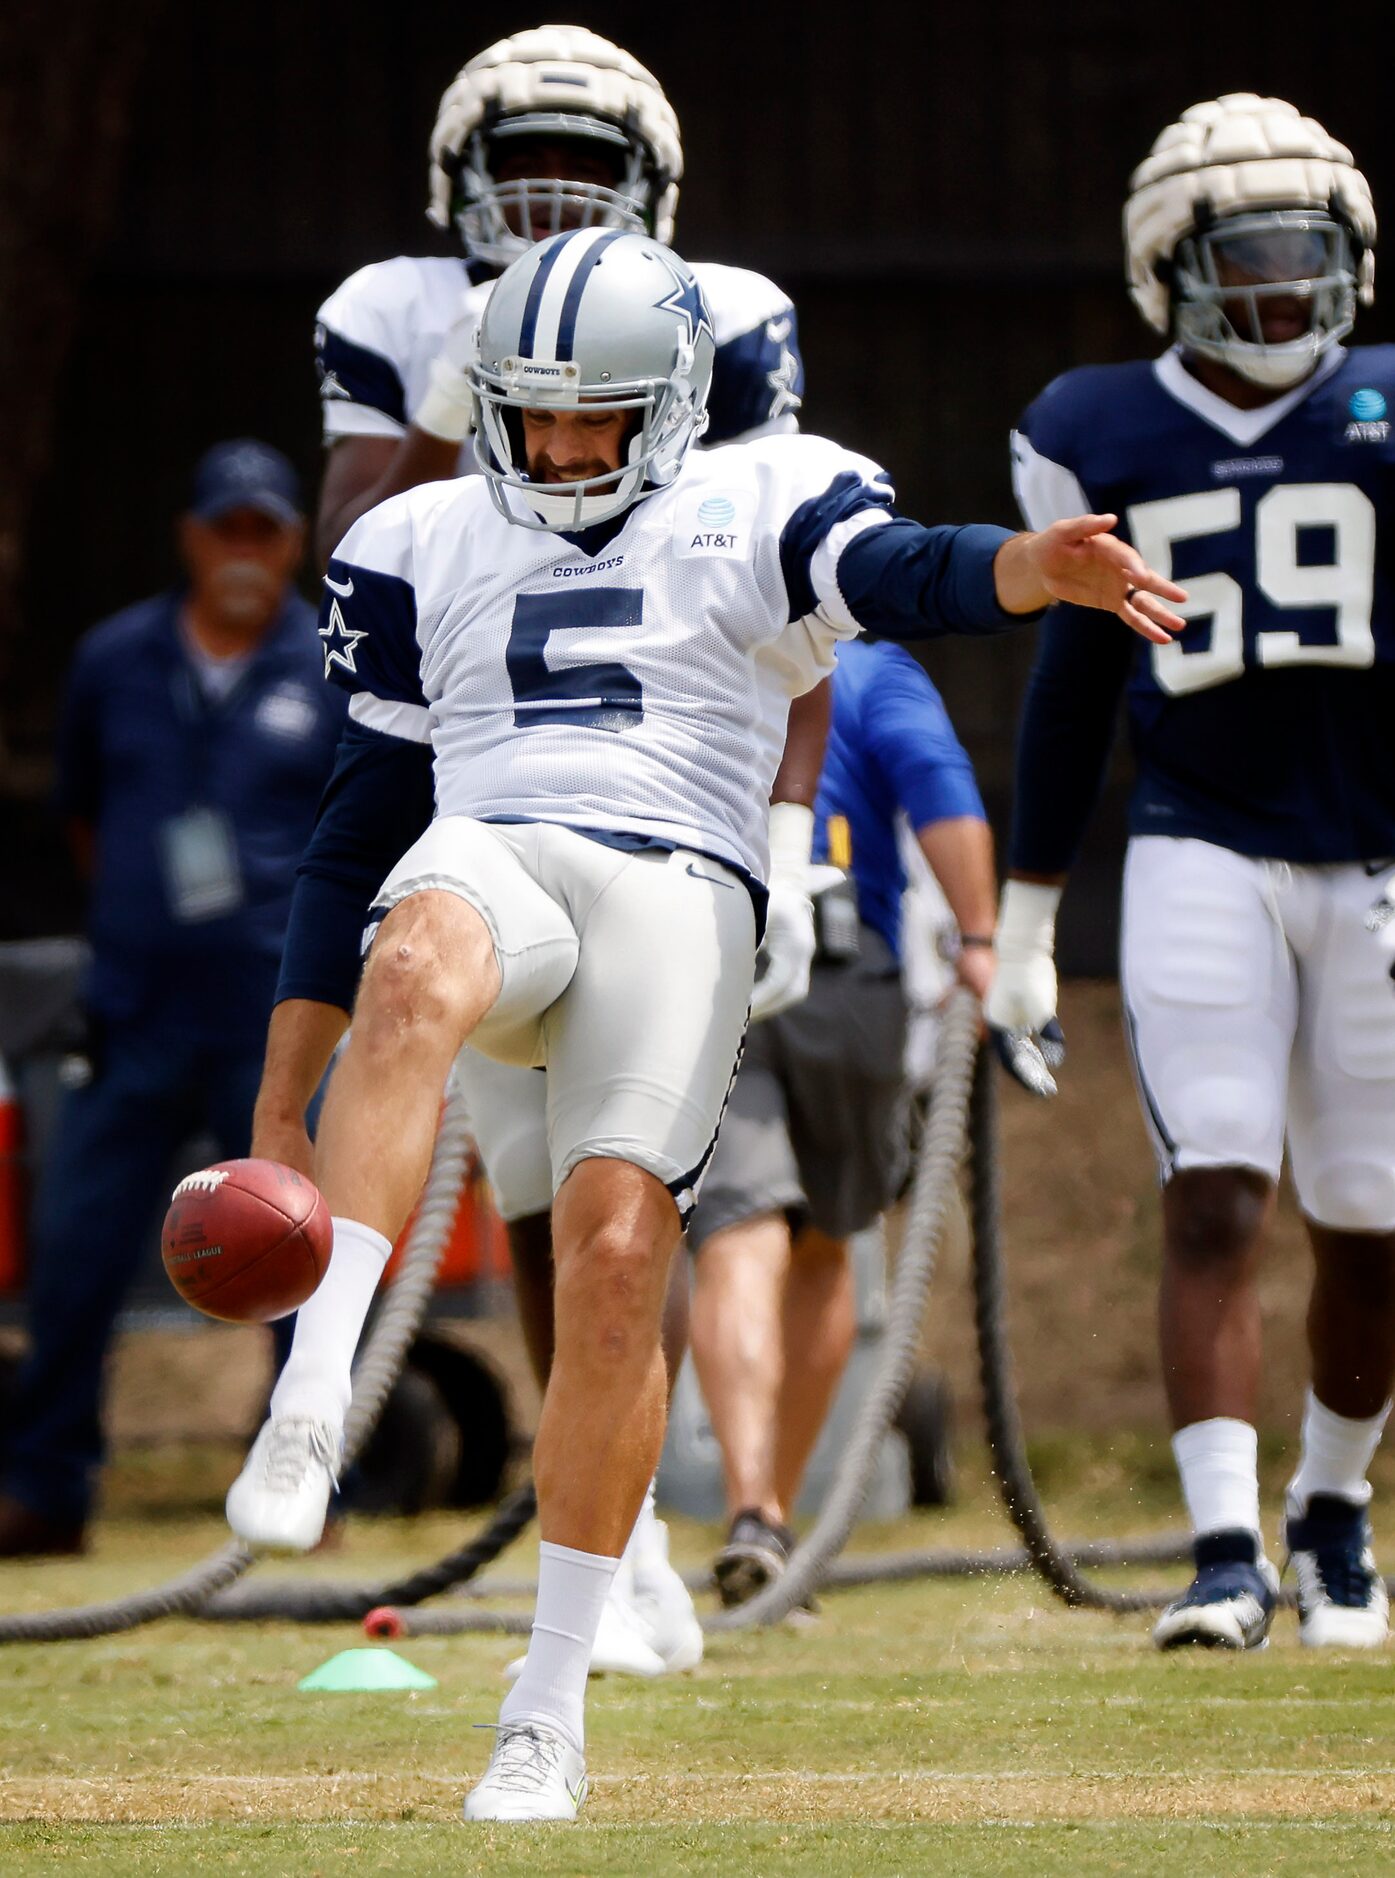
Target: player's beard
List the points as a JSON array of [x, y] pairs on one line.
[[548, 473], [243, 592]]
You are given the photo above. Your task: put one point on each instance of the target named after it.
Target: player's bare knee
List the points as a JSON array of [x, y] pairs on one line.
[[401, 994], [611, 1277], [409, 993], [1214, 1216]]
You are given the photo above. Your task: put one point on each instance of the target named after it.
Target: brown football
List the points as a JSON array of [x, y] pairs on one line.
[[247, 1241]]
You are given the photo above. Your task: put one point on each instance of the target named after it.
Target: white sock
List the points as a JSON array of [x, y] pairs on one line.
[[1334, 1456], [1219, 1464], [315, 1382], [572, 1588]]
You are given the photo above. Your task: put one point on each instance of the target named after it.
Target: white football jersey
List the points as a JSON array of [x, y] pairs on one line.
[[377, 334], [639, 687]]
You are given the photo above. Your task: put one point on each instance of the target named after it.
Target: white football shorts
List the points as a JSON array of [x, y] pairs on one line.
[[508, 1119], [1259, 1007], [626, 975]]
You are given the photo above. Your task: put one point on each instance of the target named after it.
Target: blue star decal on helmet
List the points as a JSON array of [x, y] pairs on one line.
[[687, 302], [340, 641]]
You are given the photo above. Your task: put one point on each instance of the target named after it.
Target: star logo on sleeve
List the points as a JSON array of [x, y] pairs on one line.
[[340, 641]]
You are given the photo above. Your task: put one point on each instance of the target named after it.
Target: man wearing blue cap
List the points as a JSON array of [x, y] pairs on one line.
[[195, 740]]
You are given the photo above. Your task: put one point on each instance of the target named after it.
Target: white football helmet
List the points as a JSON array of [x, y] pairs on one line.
[[1242, 201], [592, 317], [559, 83]]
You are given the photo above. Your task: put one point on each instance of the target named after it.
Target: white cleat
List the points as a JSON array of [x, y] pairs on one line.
[[534, 1773], [1342, 1602], [663, 1606], [621, 1647], [279, 1500]]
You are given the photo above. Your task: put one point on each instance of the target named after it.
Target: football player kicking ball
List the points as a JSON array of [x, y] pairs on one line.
[[599, 638], [1254, 460], [552, 128]]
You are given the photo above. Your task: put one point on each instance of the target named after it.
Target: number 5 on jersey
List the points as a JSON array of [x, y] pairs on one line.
[[596, 693], [1343, 581]]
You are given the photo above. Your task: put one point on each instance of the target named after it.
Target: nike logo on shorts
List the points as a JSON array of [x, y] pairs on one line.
[[711, 879], [343, 591]]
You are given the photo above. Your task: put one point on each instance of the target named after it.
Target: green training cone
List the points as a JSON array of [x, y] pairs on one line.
[[354, 1672]]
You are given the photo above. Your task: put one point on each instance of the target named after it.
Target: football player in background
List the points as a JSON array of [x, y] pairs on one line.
[[550, 129], [1253, 460], [590, 893]]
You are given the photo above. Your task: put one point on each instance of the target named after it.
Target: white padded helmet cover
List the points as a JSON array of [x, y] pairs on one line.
[[1237, 153], [522, 73]]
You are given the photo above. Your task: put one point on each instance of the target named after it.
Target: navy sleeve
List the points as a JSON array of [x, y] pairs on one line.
[[78, 757], [849, 552], [368, 627], [378, 800], [904, 581], [757, 378], [910, 738], [1065, 736], [358, 374]]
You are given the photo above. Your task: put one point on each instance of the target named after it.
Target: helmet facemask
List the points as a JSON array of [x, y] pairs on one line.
[[667, 420], [497, 221], [1231, 277]]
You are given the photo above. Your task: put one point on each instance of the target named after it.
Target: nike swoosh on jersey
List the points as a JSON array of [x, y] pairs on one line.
[[335, 587]]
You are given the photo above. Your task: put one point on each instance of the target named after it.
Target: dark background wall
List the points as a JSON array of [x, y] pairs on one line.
[[939, 188]]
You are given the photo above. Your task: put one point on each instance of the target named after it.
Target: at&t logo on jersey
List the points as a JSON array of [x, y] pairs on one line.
[[718, 523], [1369, 423]]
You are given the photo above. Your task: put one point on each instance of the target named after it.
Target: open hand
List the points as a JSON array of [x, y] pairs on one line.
[[1081, 560]]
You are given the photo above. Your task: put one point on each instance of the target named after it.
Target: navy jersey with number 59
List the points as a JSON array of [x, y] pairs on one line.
[[1268, 727]]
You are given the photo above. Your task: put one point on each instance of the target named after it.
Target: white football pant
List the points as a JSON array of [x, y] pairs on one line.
[[627, 975], [1259, 1007]]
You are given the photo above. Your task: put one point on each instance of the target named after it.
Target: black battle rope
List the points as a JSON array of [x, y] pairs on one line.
[[325, 1602], [1006, 1442]]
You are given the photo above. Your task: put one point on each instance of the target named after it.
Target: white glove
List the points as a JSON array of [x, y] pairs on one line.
[[789, 943], [1021, 1003], [447, 408]]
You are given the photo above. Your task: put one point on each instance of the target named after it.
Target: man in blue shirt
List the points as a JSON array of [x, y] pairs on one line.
[[196, 737], [813, 1144]]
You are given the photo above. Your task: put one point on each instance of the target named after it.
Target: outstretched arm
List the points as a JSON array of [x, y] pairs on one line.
[[900, 580]]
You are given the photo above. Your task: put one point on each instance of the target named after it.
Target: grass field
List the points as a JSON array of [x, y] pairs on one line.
[[953, 1727]]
